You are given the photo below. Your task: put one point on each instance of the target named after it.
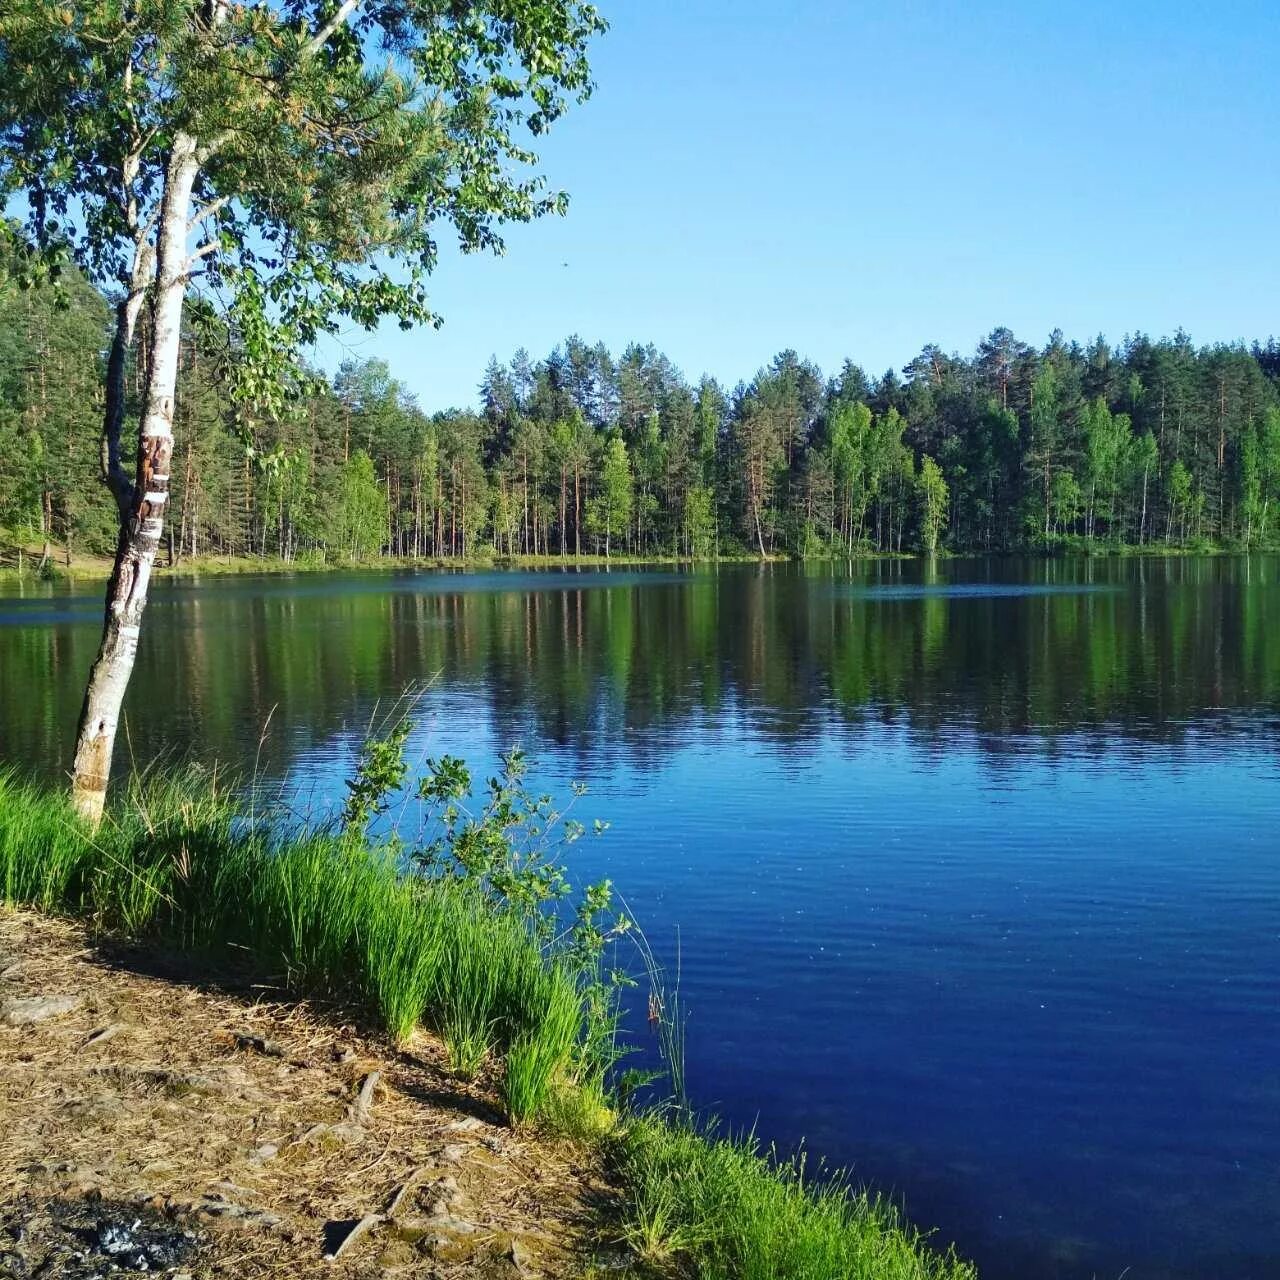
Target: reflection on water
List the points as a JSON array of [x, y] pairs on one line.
[[974, 865]]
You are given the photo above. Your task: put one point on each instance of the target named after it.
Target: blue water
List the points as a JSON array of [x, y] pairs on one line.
[[972, 878]]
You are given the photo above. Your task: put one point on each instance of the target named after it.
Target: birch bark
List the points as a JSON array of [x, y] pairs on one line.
[[143, 504]]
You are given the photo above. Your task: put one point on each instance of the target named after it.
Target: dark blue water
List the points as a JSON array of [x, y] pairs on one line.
[[973, 873]]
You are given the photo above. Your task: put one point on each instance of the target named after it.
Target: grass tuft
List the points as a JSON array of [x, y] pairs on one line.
[[539, 1056], [718, 1208]]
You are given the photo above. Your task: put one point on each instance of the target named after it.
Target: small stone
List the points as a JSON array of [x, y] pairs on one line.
[[227, 1214], [224, 1190], [445, 1199], [23, 1011], [102, 1035], [268, 1151]]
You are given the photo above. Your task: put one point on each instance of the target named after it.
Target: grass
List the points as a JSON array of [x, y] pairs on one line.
[[174, 861], [718, 1209]]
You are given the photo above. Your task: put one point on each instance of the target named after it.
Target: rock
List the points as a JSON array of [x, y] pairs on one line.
[[452, 1224], [445, 1204], [346, 1132], [24, 1011], [225, 1190]]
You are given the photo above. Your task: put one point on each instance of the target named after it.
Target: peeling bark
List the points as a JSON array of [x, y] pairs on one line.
[[143, 504]]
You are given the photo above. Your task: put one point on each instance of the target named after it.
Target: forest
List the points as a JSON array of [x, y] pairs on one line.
[[1154, 442]]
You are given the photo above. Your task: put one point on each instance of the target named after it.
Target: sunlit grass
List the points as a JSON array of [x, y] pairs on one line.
[[537, 1057], [719, 1209], [175, 861]]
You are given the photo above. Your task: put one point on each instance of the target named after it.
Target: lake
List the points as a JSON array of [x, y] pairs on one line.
[[972, 870]]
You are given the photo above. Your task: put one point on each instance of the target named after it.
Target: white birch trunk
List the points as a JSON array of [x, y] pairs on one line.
[[142, 519]]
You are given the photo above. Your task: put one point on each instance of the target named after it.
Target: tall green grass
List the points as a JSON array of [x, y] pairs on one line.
[[173, 860], [717, 1208]]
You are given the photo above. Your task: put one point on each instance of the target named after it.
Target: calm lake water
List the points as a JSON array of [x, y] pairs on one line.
[[973, 872]]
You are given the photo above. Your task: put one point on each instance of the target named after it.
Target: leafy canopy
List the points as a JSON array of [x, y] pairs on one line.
[[333, 140]]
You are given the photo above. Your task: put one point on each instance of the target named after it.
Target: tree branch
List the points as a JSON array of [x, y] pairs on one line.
[[321, 37], [207, 212], [113, 472], [209, 246], [312, 47]]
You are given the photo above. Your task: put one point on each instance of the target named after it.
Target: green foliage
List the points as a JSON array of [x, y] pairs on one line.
[[320, 154], [933, 497], [505, 858], [174, 860], [358, 520], [700, 521], [51, 371], [717, 1208], [380, 771], [535, 1063], [611, 509], [585, 452]]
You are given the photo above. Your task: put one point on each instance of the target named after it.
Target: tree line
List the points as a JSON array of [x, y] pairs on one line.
[[1151, 443]]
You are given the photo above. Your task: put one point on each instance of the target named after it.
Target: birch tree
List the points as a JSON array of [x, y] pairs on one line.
[[933, 497], [294, 159]]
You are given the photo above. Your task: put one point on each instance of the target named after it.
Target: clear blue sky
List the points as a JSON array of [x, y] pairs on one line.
[[855, 179]]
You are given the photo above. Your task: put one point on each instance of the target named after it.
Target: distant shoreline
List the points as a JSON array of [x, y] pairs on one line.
[[96, 569]]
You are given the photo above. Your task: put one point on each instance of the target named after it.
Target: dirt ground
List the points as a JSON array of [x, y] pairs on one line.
[[152, 1123]]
